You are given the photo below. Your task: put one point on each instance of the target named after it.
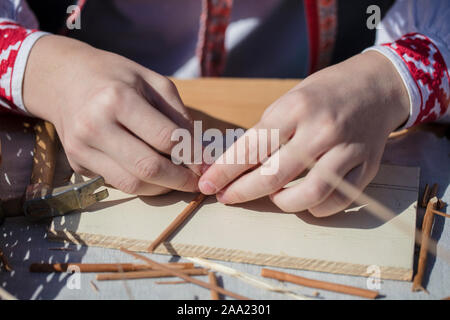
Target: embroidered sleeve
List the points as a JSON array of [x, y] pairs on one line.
[[415, 36], [15, 45], [17, 36], [425, 75]]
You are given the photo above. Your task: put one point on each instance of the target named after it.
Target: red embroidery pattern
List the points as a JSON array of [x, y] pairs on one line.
[[430, 73], [211, 51], [12, 36], [322, 27]]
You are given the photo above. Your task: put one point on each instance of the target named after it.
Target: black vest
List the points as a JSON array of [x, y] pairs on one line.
[[353, 36]]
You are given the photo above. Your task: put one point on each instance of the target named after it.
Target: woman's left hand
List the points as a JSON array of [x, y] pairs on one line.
[[337, 121]]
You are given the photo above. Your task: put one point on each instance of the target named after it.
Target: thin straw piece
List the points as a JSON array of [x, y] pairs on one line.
[[94, 287], [316, 284], [434, 191], [426, 196], [171, 282], [5, 295], [181, 275], [100, 267], [441, 214], [5, 262], [247, 278], [177, 222], [427, 225], [149, 274], [213, 280]]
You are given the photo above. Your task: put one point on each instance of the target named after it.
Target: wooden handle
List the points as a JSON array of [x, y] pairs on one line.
[[44, 160]]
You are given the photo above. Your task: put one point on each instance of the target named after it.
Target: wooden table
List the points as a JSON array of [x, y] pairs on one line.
[[240, 102], [25, 243]]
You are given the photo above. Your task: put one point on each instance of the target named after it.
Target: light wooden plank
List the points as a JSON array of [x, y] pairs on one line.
[[259, 233]]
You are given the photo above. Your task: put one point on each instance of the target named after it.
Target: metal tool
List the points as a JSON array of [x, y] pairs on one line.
[[41, 200], [64, 200]]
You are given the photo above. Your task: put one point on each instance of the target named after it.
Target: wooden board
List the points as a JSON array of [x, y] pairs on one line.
[[259, 233]]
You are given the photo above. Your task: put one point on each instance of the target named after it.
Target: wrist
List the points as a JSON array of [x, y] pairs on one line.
[[50, 75], [390, 89]]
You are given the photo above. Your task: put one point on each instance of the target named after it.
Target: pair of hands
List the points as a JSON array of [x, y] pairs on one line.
[[115, 118]]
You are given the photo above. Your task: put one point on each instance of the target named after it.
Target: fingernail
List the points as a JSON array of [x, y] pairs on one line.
[[207, 187]]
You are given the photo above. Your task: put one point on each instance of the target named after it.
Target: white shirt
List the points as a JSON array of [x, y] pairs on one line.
[[175, 31]]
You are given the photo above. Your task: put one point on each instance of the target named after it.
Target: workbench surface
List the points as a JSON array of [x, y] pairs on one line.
[[25, 243]]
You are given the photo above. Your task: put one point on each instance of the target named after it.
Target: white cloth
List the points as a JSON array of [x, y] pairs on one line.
[[427, 17]]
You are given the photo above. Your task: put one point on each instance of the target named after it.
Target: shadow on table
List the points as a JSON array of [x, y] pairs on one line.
[[427, 147], [25, 243], [354, 218], [22, 241]]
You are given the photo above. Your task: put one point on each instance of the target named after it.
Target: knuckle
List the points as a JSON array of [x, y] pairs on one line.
[[85, 127], [317, 191], [148, 168], [275, 181], [330, 130], [72, 148], [186, 183], [167, 85], [129, 185], [358, 152], [110, 98], [301, 104], [163, 138], [221, 176], [110, 95]]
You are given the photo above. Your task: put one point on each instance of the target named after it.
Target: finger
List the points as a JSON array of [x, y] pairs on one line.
[[114, 175], [283, 111], [359, 177], [144, 163], [163, 94], [153, 127], [281, 168], [247, 152], [320, 181]]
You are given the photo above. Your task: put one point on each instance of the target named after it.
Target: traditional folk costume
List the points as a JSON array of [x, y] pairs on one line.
[[245, 38]]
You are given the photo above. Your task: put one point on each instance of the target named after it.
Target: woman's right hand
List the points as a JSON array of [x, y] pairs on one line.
[[114, 117]]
